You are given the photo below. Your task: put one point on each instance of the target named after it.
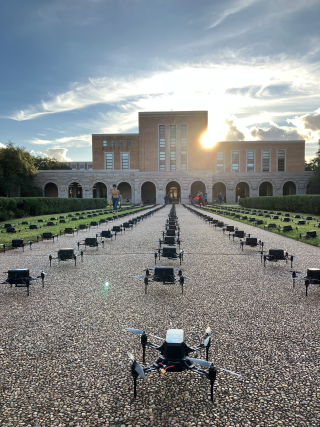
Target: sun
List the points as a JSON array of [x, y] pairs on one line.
[[210, 138], [207, 140]]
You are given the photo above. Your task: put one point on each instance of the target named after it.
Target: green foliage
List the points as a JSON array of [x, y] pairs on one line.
[[49, 163], [14, 206], [304, 203]]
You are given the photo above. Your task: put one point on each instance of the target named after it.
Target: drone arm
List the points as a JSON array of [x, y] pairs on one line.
[[154, 346]]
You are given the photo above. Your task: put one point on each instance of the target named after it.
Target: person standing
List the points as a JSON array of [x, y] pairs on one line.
[[205, 199], [200, 195], [238, 199], [220, 197], [115, 195]]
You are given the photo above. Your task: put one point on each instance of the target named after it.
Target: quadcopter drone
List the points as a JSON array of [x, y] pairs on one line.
[[170, 241], [252, 242], [21, 278], [49, 236], [163, 275], [16, 243], [169, 252], [276, 255], [92, 242], [11, 228], [70, 230], [311, 278], [174, 357], [66, 254]]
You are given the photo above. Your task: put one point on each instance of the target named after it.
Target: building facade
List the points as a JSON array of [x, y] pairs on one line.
[[167, 157]]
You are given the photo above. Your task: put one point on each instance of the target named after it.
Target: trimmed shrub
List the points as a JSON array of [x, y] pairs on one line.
[[305, 203], [14, 206]]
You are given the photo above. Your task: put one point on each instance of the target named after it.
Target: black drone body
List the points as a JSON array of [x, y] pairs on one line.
[[49, 236], [66, 254], [312, 277], [70, 230], [240, 234], [252, 242], [276, 255], [91, 242], [174, 357], [170, 241], [164, 275], [169, 252], [15, 244], [21, 278]]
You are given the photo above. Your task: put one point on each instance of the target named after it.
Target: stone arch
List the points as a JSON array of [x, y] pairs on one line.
[[75, 190], [172, 180], [242, 190], [125, 189], [266, 188], [196, 186], [148, 180], [50, 189], [173, 190], [99, 190], [148, 192], [217, 188], [289, 188]]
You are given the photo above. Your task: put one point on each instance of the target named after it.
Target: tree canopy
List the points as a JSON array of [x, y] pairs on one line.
[[314, 181], [49, 163]]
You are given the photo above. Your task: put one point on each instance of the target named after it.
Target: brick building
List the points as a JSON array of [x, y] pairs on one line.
[[166, 157]]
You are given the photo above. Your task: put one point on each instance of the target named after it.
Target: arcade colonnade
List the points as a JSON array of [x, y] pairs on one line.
[[151, 187]]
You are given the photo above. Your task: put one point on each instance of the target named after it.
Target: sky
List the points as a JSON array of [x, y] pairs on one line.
[[71, 68]]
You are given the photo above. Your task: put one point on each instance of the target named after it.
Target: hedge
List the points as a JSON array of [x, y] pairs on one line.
[[27, 206], [304, 203]]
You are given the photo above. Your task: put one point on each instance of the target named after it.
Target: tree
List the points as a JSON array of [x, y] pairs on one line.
[[314, 182], [47, 163], [17, 171]]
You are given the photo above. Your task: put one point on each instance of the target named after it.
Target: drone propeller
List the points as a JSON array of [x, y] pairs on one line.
[[42, 272], [139, 277], [140, 332], [136, 365], [208, 331], [206, 364]]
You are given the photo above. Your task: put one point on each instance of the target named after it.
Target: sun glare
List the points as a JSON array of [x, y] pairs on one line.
[[209, 139]]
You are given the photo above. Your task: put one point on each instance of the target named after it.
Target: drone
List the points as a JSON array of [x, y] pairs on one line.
[[276, 255], [49, 236], [170, 241], [21, 278], [311, 278], [309, 234], [169, 252], [70, 230], [164, 275], [66, 254], [16, 243], [240, 234], [174, 357], [252, 242], [10, 228], [107, 234], [92, 242]]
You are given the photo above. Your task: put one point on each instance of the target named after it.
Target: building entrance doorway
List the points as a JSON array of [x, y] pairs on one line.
[[173, 191]]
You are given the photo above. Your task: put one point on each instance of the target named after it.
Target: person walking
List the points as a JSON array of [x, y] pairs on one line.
[[115, 195], [200, 195], [205, 199], [220, 197]]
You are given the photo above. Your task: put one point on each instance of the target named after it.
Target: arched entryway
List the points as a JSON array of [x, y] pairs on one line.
[[125, 191], [50, 190], [148, 192], [75, 191], [217, 188], [289, 188], [242, 190], [100, 191], [196, 187], [173, 190], [265, 189]]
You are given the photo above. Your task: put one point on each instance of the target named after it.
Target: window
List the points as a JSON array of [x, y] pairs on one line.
[[220, 162], [184, 146], [89, 166], [265, 160], [112, 143], [109, 160], [104, 143], [173, 160], [73, 166], [128, 142], [235, 156], [281, 160], [125, 161], [250, 160], [162, 147], [81, 166], [120, 143]]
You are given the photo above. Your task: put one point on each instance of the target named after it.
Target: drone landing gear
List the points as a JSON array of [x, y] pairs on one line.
[[212, 376], [146, 281]]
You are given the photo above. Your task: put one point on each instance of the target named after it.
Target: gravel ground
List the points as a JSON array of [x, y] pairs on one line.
[[63, 349]]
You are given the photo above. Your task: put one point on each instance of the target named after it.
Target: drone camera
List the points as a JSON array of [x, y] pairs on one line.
[[174, 347]]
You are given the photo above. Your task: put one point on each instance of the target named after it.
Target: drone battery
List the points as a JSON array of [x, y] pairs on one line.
[[11, 230], [277, 253], [102, 221], [90, 241], [301, 222], [32, 227], [239, 233], [116, 228], [220, 224], [164, 272], [311, 233], [174, 348], [287, 228], [65, 253], [169, 240], [106, 233], [17, 243], [171, 233], [7, 225], [244, 217], [251, 241], [62, 221], [271, 225], [259, 222], [230, 228], [313, 273], [69, 230], [18, 274], [169, 251], [47, 235]]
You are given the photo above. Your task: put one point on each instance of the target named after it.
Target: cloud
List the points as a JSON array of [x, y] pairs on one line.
[[233, 133], [275, 133], [309, 124], [70, 141], [281, 90], [2, 145], [57, 153]]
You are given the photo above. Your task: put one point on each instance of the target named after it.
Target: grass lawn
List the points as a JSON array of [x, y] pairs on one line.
[[298, 229], [71, 221]]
